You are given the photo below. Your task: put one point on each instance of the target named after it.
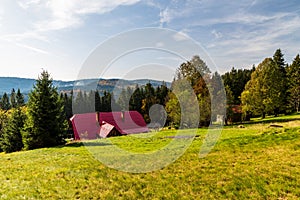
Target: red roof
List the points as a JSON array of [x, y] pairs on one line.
[[86, 125]]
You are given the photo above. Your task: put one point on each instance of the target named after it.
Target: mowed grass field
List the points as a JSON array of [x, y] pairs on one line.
[[255, 162]]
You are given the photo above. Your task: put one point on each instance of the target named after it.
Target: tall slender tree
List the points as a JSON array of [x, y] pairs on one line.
[[280, 65], [19, 99], [13, 101], [293, 74], [5, 105], [45, 125], [97, 101]]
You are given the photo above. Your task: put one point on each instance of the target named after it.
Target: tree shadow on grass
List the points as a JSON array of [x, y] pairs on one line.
[[83, 143], [273, 120]]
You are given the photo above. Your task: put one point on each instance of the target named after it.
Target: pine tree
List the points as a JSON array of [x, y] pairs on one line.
[[78, 102], [281, 67], [236, 81], [13, 101], [46, 124], [5, 105], [279, 60], [19, 99], [293, 74], [124, 99], [97, 101], [68, 106], [11, 140], [136, 99]]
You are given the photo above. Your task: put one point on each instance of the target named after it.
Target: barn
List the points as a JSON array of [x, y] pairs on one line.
[[107, 124]]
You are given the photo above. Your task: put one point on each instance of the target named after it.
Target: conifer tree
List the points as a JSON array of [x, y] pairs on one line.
[[5, 105], [11, 140], [293, 74], [281, 67], [68, 105], [13, 102], [97, 101], [19, 99], [78, 106], [45, 125]]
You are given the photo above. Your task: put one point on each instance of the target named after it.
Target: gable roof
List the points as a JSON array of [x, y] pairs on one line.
[[127, 122], [87, 125]]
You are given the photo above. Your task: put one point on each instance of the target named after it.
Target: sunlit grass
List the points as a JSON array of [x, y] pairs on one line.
[[255, 162]]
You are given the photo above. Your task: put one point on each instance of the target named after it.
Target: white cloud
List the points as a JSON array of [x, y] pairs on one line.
[[159, 44], [248, 48], [27, 4], [216, 34], [58, 14], [24, 36], [180, 36], [165, 17], [32, 48]]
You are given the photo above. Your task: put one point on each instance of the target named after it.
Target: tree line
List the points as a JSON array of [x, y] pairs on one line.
[[271, 88], [138, 98], [274, 87]]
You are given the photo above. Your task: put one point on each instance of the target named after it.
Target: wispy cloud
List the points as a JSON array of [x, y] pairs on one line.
[[164, 17], [28, 4], [181, 35], [71, 13], [32, 48], [216, 34], [25, 35], [23, 45], [54, 15]]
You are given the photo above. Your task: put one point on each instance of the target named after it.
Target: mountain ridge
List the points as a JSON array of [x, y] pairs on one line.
[[26, 84]]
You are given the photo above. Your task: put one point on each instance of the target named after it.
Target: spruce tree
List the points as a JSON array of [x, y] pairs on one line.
[[78, 104], [13, 102], [68, 105], [281, 68], [5, 105], [19, 99], [11, 140], [97, 101], [293, 74], [46, 124]]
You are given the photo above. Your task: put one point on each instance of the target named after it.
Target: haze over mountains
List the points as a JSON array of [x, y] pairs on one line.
[[25, 84]]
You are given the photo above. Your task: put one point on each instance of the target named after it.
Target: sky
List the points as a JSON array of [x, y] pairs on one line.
[[61, 35]]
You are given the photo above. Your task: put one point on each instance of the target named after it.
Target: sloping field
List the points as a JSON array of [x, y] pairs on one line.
[[255, 162]]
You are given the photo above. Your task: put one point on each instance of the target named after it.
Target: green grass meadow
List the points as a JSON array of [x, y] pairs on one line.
[[255, 162]]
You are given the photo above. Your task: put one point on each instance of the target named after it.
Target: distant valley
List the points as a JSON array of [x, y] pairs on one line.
[[26, 85]]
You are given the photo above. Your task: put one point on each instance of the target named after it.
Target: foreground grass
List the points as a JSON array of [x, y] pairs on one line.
[[255, 162]]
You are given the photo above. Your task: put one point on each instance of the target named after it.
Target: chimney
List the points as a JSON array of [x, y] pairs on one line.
[[98, 117], [123, 115]]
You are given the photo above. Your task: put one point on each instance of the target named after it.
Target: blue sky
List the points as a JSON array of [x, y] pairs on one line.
[[59, 35]]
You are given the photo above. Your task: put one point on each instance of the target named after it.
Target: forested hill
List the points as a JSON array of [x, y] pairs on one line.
[[25, 84]]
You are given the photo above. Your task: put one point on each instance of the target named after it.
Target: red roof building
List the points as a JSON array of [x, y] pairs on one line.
[[106, 124]]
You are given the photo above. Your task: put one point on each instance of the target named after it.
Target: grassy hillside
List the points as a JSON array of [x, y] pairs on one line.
[[255, 162]]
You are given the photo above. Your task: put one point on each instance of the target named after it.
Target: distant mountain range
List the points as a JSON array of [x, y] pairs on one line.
[[26, 85]]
